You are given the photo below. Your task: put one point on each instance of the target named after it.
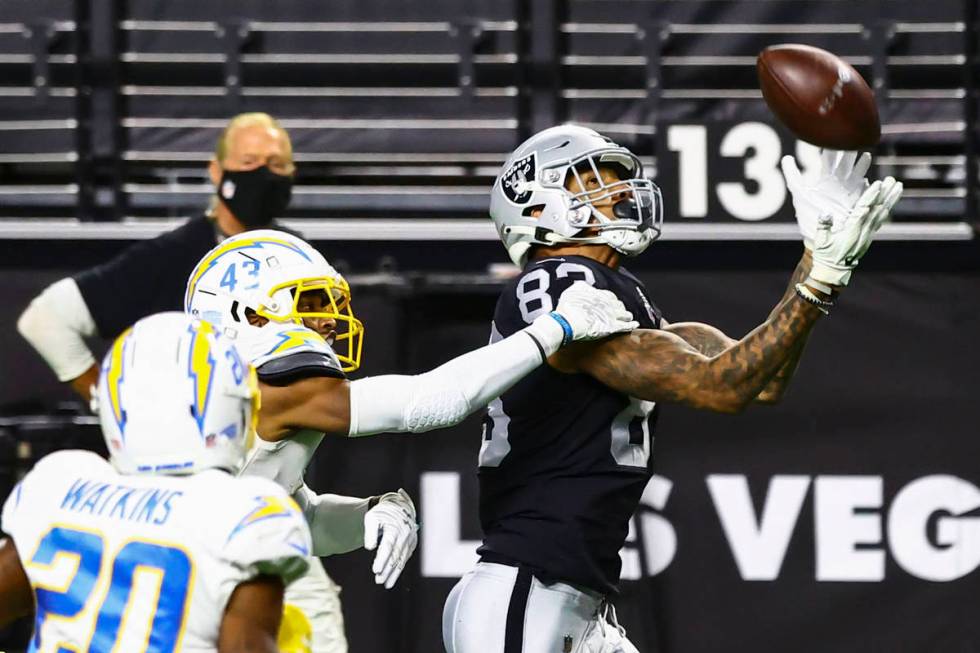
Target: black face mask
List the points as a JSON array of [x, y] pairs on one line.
[[255, 196]]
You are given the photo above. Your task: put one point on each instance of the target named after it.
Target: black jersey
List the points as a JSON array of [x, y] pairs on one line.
[[564, 458], [147, 277]]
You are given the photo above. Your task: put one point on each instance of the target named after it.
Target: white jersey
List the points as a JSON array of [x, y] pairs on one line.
[[145, 563], [280, 352]]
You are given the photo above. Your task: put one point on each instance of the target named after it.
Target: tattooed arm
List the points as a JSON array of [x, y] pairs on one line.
[[711, 341], [661, 366]]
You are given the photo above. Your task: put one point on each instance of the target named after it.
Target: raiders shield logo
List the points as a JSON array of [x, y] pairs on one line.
[[515, 180]]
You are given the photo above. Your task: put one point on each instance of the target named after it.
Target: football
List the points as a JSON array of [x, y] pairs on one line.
[[819, 97]]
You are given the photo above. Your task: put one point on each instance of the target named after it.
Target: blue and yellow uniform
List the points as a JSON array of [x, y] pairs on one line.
[[283, 354], [145, 563]]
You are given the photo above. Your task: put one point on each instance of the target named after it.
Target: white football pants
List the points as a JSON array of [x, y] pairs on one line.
[[501, 609], [317, 597]]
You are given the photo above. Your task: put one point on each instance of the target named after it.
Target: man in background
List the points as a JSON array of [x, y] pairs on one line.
[[252, 171]]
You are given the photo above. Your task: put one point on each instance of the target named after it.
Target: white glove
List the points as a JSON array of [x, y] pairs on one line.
[[833, 190], [838, 243], [391, 527], [593, 313], [891, 192], [605, 635]]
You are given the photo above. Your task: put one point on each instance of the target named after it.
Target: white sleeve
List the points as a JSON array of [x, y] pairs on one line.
[[336, 522], [447, 394], [55, 323]]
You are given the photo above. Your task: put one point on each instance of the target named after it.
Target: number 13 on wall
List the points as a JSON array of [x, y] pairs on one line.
[[722, 171]]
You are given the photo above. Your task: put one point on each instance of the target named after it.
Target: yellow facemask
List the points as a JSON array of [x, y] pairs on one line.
[[348, 342]]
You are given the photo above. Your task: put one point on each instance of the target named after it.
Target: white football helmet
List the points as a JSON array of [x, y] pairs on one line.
[[534, 179], [266, 271], [175, 397]]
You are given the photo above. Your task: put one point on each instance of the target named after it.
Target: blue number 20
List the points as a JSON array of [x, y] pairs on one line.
[[173, 565]]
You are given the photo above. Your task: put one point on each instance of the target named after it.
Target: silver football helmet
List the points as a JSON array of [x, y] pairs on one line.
[[534, 179]]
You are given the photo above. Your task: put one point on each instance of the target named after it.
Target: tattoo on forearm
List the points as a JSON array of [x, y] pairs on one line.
[[703, 338], [749, 366], [675, 363], [780, 380]]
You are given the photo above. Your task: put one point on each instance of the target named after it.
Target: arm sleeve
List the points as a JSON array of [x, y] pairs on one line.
[[336, 522], [447, 394], [56, 323]]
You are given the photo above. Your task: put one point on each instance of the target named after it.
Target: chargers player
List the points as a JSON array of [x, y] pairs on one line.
[[290, 313], [566, 451], [163, 548]]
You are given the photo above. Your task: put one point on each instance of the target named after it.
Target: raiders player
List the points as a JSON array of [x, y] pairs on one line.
[[161, 548], [289, 312], [566, 451]]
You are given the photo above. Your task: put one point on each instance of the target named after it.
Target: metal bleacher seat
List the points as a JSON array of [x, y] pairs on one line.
[[37, 112], [391, 116], [702, 58], [401, 113]]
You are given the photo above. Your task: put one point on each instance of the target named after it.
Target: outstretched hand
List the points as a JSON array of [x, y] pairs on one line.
[[592, 313], [832, 190], [838, 211]]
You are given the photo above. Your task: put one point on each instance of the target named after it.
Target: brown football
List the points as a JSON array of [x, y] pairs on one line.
[[820, 97]]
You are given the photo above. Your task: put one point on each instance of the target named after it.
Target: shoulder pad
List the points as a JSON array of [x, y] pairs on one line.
[[44, 481], [286, 353], [60, 463], [300, 365], [268, 533]]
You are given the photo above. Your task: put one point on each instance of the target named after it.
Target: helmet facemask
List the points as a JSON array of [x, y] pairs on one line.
[[531, 203], [638, 215], [349, 334]]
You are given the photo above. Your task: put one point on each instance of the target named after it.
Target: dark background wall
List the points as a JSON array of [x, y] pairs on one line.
[[845, 519], [885, 397]]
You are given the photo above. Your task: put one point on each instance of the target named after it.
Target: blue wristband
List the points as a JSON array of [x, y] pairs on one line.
[[565, 326]]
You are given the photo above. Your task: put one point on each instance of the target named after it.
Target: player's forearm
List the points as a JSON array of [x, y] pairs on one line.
[[711, 341], [336, 522], [660, 366], [444, 396], [747, 368], [85, 382], [252, 617], [776, 388]]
